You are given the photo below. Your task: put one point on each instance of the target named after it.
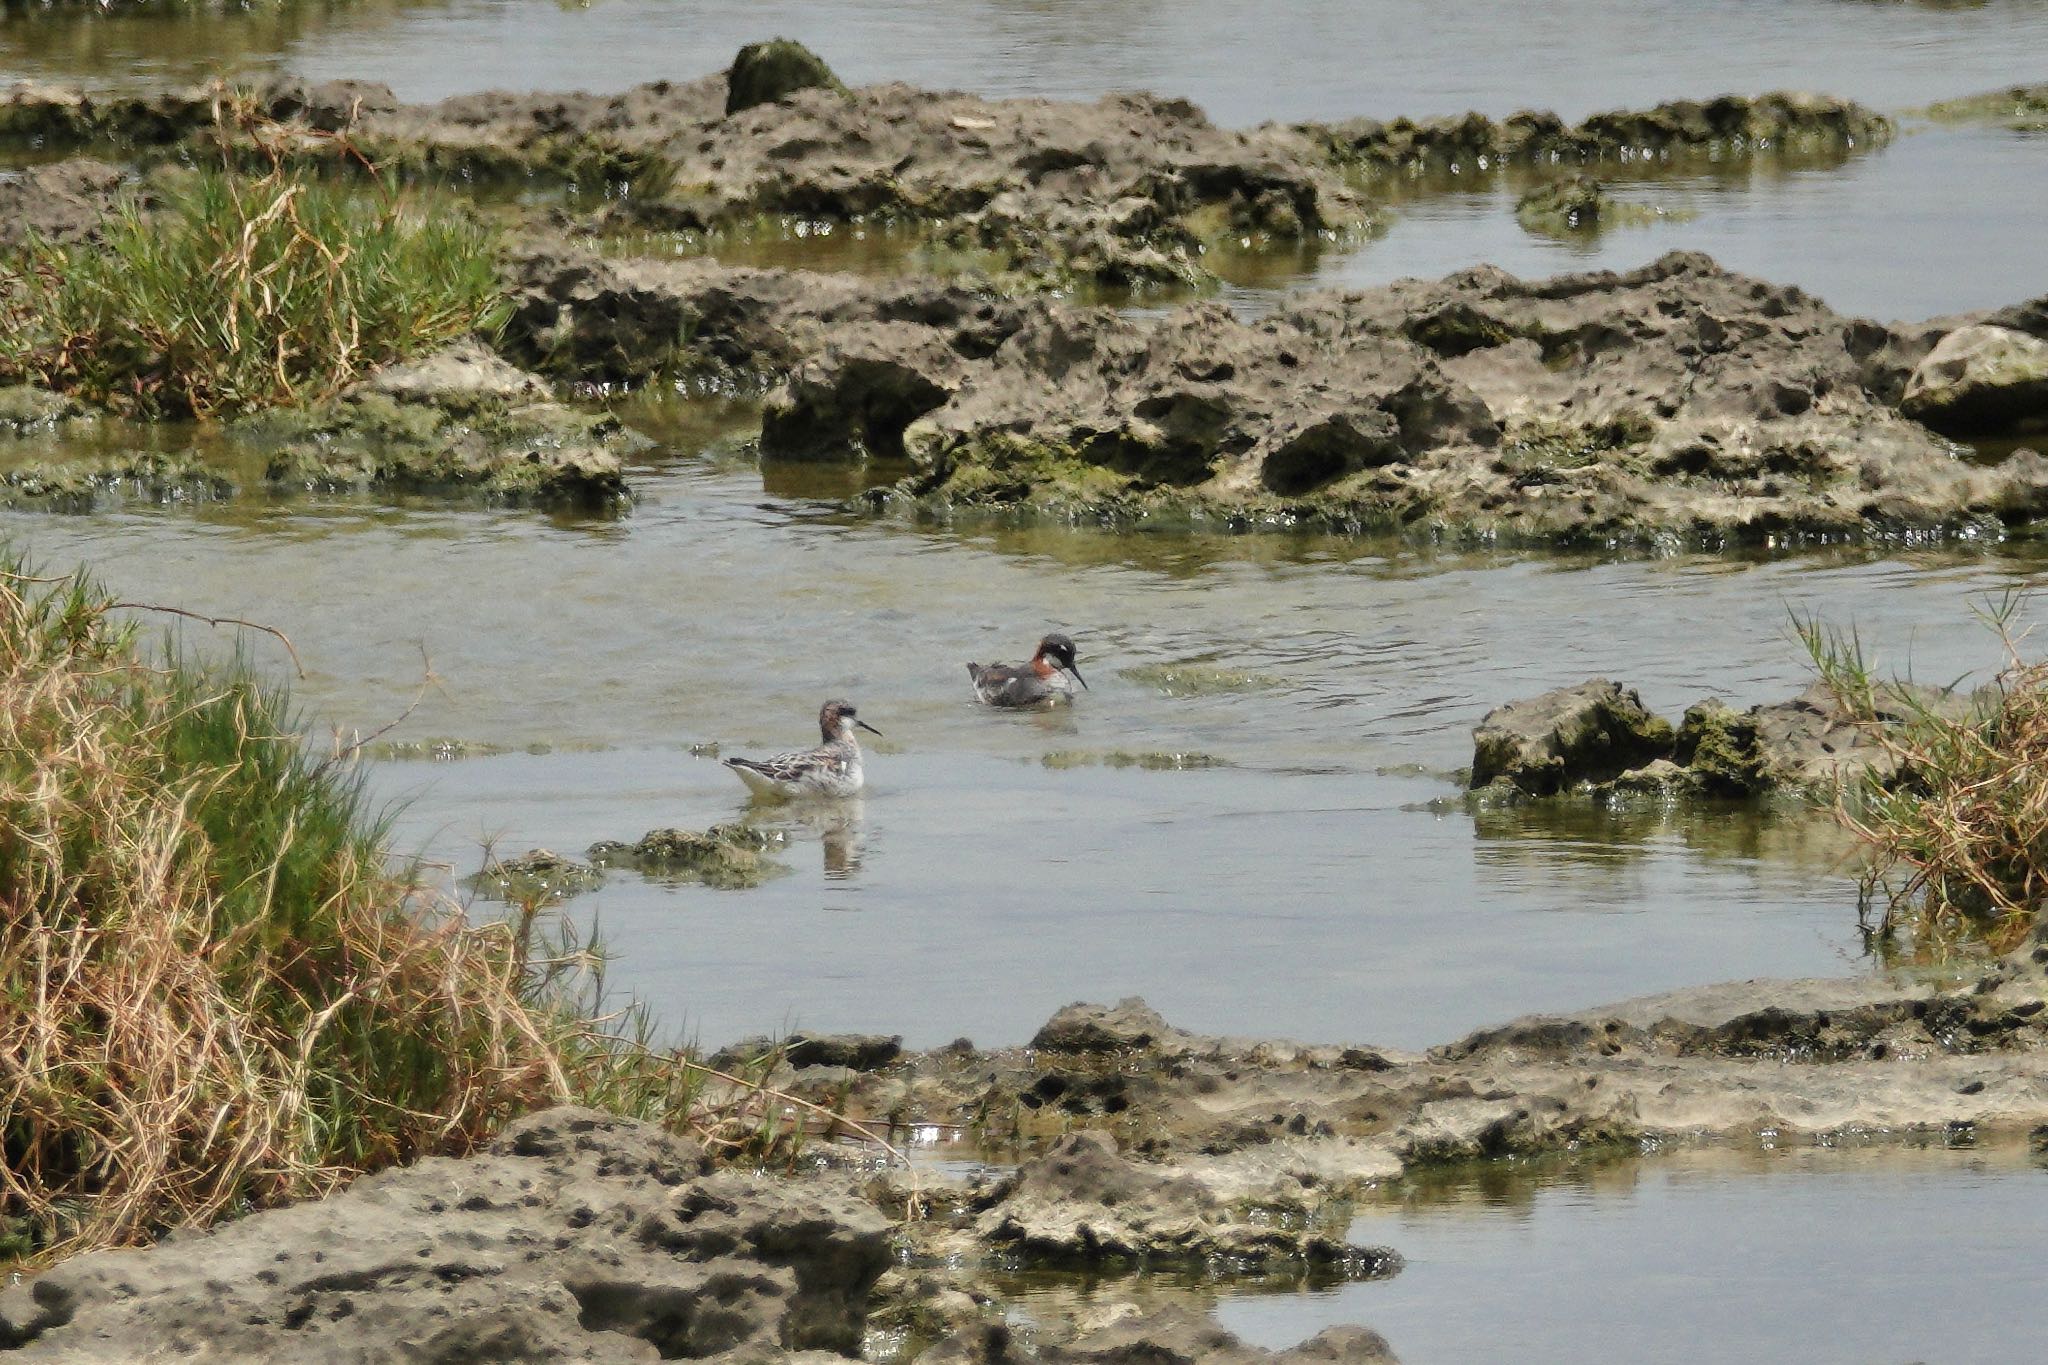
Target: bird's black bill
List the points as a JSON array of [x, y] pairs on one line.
[[867, 727], [1077, 675]]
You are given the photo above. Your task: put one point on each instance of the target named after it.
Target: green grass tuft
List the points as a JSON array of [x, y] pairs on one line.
[[242, 291]]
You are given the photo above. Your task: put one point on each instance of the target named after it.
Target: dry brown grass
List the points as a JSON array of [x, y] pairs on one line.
[[1956, 832], [218, 992]]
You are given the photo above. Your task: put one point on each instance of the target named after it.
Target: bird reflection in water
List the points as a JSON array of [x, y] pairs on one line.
[[839, 832]]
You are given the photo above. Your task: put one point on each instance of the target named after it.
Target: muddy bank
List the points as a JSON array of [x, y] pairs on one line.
[[1126, 192], [458, 423], [1285, 1127], [1677, 404], [1597, 740], [577, 1235], [1731, 125]]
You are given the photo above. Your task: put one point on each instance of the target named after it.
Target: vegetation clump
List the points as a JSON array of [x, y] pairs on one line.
[[1955, 825], [234, 290], [729, 857], [217, 989]]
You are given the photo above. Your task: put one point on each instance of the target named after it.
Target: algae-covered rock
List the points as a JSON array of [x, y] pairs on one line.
[[1083, 1205], [1176, 1335], [1597, 741], [1577, 206], [1590, 733], [1563, 207], [465, 377], [728, 857], [26, 408], [1674, 403], [592, 319], [2023, 108], [763, 73], [459, 421], [1129, 1025], [1659, 780], [1725, 127], [1814, 742], [537, 875], [83, 485], [1980, 378], [1677, 403], [1722, 751], [854, 1051]]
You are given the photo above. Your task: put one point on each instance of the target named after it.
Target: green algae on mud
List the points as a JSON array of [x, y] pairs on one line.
[[460, 423], [2022, 108], [536, 877], [1578, 207], [1150, 760], [728, 857]]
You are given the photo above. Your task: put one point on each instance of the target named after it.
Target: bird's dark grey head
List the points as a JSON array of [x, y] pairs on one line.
[[836, 718], [1060, 650]]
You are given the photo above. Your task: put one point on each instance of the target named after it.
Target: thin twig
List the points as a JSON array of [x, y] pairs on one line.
[[430, 679], [283, 639]]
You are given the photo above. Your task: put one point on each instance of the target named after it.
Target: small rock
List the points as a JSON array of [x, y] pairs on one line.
[[25, 408], [1590, 733], [461, 378], [1980, 379], [854, 1051], [764, 73], [62, 202], [1720, 748], [1563, 207], [1127, 1026]]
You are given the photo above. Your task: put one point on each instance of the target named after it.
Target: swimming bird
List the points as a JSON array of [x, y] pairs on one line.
[[831, 769], [1043, 681]]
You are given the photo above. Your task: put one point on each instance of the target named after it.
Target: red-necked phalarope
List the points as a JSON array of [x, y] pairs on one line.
[[1042, 681], [831, 769]]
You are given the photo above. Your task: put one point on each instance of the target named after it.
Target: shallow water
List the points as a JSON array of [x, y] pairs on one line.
[[1296, 885], [1815, 1255]]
